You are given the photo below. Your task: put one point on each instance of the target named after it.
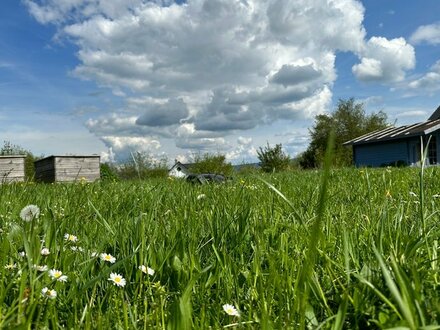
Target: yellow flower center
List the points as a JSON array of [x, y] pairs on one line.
[[117, 279]]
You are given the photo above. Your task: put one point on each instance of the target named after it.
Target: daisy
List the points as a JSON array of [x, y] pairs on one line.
[[107, 257], [117, 279], [30, 212], [231, 310], [39, 268], [45, 252], [70, 238], [10, 266], [47, 293], [146, 270], [57, 275]]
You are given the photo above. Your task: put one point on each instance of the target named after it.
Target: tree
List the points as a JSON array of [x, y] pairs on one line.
[[211, 163], [12, 149], [348, 121], [273, 159], [141, 165]]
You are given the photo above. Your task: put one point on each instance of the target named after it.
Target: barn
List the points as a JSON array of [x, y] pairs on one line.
[[12, 168], [67, 169], [179, 170], [398, 145]]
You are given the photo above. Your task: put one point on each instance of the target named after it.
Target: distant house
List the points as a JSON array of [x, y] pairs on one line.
[[67, 169], [398, 145], [12, 168], [179, 170]]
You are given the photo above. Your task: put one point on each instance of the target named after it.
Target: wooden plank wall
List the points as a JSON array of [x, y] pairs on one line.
[[11, 169], [77, 168]]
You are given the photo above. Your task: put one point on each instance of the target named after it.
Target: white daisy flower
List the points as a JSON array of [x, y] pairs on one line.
[[117, 279], [39, 268], [30, 212], [146, 270], [77, 248], [231, 310], [107, 257], [10, 266], [45, 252], [70, 238], [48, 293], [57, 275]]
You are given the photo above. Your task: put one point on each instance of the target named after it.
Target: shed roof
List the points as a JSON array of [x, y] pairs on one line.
[[395, 133]]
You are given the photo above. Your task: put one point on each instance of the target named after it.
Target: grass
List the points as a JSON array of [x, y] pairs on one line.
[[365, 258]]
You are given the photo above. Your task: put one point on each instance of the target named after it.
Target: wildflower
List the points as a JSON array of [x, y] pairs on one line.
[[388, 193], [22, 254], [117, 279], [45, 252], [30, 212], [57, 275], [77, 248], [70, 238], [201, 196], [231, 310], [48, 293], [107, 257], [94, 254], [10, 266], [39, 268], [146, 270]]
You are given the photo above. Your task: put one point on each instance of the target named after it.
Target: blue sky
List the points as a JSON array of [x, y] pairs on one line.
[[176, 79]]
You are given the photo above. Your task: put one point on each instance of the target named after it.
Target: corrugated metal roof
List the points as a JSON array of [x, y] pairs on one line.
[[395, 133]]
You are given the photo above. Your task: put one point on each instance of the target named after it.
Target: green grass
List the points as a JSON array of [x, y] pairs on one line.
[[366, 257]]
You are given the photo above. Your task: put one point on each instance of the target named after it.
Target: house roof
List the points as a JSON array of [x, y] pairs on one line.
[[185, 166], [395, 133]]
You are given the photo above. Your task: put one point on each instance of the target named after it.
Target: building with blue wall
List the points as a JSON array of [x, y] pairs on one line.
[[399, 145]]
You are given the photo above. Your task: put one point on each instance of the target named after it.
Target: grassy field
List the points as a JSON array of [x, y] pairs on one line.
[[283, 255]]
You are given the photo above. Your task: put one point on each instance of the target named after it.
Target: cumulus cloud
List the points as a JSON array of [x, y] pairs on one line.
[[120, 148], [202, 70], [429, 34], [385, 60], [166, 114]]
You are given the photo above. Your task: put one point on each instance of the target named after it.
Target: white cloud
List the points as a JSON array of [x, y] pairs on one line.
[[429, 34], [203, 70], [121, 147], [385, 60], [430, 82]]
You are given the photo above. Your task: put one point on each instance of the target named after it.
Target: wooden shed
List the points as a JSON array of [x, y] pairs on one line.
[[399, 145], [67, 169], [12, 168]]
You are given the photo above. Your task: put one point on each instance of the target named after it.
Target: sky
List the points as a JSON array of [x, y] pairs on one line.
[[181, 78]]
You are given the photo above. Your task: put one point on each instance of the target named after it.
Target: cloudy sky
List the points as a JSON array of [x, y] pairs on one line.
[[177, 78]]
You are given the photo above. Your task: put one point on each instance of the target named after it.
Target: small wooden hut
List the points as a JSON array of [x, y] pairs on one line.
[[67, 169], [12, 168]]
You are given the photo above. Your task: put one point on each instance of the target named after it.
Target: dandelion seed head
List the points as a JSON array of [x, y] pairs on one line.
[[30, 212]]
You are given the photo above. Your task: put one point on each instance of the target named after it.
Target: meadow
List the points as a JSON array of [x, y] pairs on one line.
[[357, 249]]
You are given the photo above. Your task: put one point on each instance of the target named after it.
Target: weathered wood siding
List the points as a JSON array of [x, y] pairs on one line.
[[68, 168], [11, 169]]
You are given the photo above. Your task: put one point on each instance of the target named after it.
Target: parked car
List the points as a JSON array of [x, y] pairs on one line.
[[205, 178]]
